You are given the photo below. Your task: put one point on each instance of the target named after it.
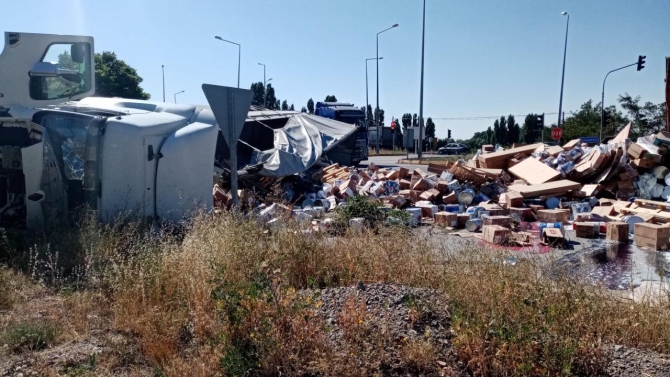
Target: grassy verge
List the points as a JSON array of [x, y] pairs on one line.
[[225, 295], [386, 152]]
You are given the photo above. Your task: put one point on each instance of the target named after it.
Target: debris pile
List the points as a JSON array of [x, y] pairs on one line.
[[517, 196]]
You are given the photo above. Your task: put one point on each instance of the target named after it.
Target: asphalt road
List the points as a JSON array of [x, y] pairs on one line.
[[392, 161]]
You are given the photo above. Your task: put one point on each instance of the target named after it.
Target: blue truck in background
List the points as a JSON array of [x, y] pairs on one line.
[[354, 149]]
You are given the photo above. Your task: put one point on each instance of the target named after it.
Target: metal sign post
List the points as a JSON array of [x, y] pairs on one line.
[[230, 107]]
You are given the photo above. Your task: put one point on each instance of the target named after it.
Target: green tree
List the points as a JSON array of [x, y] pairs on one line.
[[586, 122], [303, 110], [330, 98], [646, 119], [530, 132], [415, 120], [259, 91], [513, 130], [490, 136], [310, 106], [430, 128], [406, 120], [115, 78], [292, 108], [277, 105], [284, 105], [496, 132], [270, 99]]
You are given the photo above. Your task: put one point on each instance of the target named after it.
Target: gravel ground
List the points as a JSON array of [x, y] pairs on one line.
[[395, 316], [628, 361]]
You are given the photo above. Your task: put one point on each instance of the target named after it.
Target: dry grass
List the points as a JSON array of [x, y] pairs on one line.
[[223, 297]]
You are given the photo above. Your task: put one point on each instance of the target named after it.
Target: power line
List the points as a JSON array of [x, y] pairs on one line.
[[494, 117]]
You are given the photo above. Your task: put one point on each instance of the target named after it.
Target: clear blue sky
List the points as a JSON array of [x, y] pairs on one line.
[[484, 57]]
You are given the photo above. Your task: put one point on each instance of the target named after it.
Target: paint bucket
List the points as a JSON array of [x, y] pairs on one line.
[[452, 208], [474, 212], [566, 168], [319, 211], [574, 154], [308, 203], [550, 225], [474, 225], [310, 195], [466, 197], [660, 172], [453, 185], [327, 188], [309, 211], [656, 191], [666, 193], [552, 203], [631, 220]]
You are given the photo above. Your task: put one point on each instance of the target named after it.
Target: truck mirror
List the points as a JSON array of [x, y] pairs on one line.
[[37, 196], [78, 52]]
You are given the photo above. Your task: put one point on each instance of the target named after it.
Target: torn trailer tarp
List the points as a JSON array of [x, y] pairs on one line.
[[299, 144]]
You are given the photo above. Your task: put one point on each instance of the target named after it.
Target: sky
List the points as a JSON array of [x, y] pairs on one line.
[[483, 58]]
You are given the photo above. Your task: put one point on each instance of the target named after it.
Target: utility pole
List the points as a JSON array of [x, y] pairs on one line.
[[367, 101], [423, 42], [377, 111], [239, 56], [565, 50], [163, 68]]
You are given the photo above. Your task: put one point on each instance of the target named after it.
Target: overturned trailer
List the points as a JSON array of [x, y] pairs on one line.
[[61, 148]]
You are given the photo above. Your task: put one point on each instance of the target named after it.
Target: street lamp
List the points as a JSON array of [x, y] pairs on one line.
[[163, 68], [367, 102], [239, 56], [175, 95], [565, 50], [423, 43], [377, 110]]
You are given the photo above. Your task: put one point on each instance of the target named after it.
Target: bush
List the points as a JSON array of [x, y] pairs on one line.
[[30, 336], [6, 290]]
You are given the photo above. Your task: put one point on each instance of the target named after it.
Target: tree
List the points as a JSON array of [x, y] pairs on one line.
[[586, 122], [270, 98], [284, 105], [406, 120], [380, 116], [496, 132], [646, 119], [513, 130], [310, 106], [115, 78], [531, 131], [292, 108], [277, 105], [259, 91], [303, 110], [430, 128], [490, 136], [415, 120], [371, 122], [330, 99]]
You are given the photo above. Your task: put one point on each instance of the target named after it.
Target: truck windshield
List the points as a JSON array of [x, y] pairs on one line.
[[68, 136]]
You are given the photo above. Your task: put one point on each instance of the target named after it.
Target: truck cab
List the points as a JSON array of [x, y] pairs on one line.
[[61, 148], [355, 149]]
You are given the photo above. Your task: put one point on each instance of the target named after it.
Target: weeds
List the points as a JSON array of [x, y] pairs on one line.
[[30, 336], [225, 295], [6, 290]]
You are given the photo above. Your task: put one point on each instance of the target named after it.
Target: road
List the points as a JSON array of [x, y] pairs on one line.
[[392, 161]]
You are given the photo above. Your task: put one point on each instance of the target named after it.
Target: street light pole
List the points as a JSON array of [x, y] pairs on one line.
[[565, 50], [265, 90], [376, 115], [423, 42], [175, 95], [367, 101], [239, 56], [163, 68], [602, 101]]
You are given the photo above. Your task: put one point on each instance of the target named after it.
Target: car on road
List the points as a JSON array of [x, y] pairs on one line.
[[454, 148]]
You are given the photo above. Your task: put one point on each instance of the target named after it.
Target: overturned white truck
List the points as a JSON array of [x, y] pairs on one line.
[[61, 148]]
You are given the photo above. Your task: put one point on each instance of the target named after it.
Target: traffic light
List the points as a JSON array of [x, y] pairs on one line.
[[448, 134], [640, 62], [393, 126], [540, 121]]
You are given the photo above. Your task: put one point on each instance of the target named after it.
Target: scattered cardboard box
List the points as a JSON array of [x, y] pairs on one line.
[[553, 215], [653, 236], [587, 229], [495, 234], [617, 231], [534, 172], [446, 219], [498, 220]]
